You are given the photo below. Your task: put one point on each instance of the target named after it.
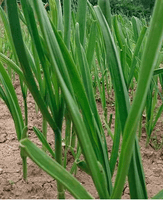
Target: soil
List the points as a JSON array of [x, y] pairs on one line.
[[40, 185]]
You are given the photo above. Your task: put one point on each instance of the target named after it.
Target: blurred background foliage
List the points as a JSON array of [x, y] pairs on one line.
[[138, 8]]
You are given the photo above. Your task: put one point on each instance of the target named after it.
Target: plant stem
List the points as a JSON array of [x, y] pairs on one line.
[[44, 131], [58, 157], [23, 154], [140, 128], [24, 161], [26, 111], [67, 139], [73, 138]]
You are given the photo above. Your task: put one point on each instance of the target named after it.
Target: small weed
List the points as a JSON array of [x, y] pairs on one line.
[[11, 182], [155, 142]]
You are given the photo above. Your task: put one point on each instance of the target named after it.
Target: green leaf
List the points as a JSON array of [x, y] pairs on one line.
[[9, 95], [8, 32], [105, 7], [81, 18], [54, 169], [44, 141], [159, 195], [158, 71], [11, 64], [116, 142], [136, 23], [67, 21], [135, 55], [91, 44], [83, 166]]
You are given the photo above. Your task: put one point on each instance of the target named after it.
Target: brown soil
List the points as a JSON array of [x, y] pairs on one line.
[[39, 184]]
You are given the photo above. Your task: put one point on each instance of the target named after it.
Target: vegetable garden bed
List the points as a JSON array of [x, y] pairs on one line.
[[84, 90], [39, 184]]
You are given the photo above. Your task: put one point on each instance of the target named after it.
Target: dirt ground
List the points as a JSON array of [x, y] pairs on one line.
[[42, 186]]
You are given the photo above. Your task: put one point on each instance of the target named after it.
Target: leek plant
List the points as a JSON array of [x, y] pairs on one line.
[[153, 112], [63, 67], [130, 57]]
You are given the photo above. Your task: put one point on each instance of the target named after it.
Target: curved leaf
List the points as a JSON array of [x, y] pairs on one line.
[[54, 169]]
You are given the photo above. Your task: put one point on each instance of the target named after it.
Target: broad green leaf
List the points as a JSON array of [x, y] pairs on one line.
[[8, 32], [136, 23], [44, 141], [10, 63], [158, 71], [105, 7], [11, 100], [159, 195], [67, 22], [59, 16], [54, 169], [81, 19], [91, 44], [83, 166], [53, 12]]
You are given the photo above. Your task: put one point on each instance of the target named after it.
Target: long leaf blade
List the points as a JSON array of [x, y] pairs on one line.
[[54, 169]]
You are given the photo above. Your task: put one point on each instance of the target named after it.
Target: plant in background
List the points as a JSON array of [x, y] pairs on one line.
[[131, 8], [148, 3], [57, 72], [156, 143]]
